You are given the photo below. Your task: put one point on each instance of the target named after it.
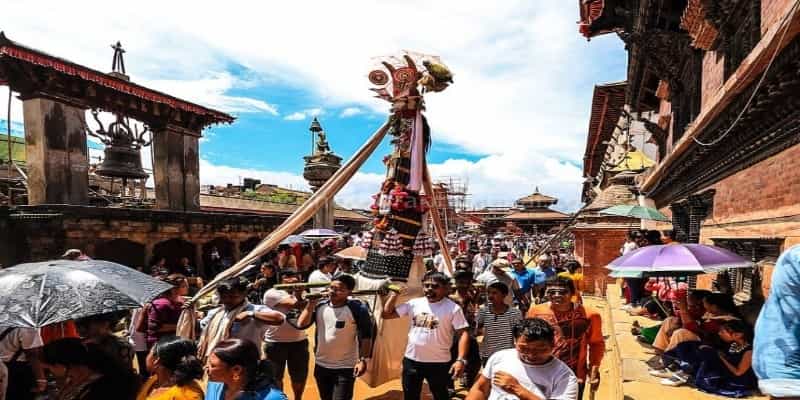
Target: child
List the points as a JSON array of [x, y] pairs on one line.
[[728, 372], [495, 321]]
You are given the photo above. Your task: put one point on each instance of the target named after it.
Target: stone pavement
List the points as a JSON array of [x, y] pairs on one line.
[[637, 383]]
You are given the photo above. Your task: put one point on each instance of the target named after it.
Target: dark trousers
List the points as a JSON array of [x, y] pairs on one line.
[[288, 355], [635, 287], [20, 381], [581, 386], [334, 384], [437, 375], [141, 363]]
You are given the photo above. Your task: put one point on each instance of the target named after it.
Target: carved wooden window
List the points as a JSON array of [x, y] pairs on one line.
[[745, 283], [686, 102], [687, 219], [742, 32]]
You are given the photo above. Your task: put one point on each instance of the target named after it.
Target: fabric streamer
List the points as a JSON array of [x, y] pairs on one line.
[[417, 154], [186, 323]]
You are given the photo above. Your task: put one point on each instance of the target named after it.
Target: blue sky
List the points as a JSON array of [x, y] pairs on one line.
[[515, 118]]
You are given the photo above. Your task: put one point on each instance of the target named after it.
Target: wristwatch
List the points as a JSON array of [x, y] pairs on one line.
[[462, 360], [251, 314]]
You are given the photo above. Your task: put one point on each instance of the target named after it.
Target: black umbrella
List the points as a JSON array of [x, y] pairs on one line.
[[43, 293]]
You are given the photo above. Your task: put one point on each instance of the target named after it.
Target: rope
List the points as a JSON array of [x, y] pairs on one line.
[[746, 107]]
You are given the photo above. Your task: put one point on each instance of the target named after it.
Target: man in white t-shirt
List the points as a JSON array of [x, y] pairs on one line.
[[498, 272], [529, 370], [323, 274], [287, 346], [435, 321], [344, 330]]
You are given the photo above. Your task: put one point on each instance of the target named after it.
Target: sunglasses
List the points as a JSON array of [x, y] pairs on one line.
[[431, 285], [556, 292]]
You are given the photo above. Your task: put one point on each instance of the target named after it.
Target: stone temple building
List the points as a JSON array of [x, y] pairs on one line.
[[531, 214], [55, 199]]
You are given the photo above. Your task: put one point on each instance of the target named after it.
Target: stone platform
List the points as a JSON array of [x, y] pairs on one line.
[[634, 359]]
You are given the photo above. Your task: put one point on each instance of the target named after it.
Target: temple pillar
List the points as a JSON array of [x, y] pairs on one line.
[[176, 168], [55, 150], [324, 218]]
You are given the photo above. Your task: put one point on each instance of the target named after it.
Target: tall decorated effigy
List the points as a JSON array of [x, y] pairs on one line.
[[398, 240]]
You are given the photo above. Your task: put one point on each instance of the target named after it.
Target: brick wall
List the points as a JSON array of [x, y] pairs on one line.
[[594, 249], [762, 201], [713, 77], [768, 189]]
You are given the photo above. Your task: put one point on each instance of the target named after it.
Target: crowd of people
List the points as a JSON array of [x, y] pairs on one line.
[[491, 324], [700, 335], [494, 327]]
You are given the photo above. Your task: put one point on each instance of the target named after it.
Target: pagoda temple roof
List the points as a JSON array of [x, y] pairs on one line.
[[608, 102], [533, 215], [95, 89], [537, 199]]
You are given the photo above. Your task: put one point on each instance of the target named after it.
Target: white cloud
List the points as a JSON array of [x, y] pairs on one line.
[[523, 74], [355, 194], [498, 180], [212, 174], [211, 91], [303, 114], [314, 112], [295, 116], [350, 111]]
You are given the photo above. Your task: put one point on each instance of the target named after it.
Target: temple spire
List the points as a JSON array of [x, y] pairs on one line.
[[118, 63]]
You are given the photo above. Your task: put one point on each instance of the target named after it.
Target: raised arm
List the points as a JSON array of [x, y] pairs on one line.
[[306, 317], [390, 307], [270, 317]]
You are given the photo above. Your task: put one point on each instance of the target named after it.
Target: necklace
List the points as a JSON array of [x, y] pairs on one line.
[[737, 348]]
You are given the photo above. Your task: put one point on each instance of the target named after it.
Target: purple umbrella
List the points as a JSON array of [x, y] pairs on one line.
[[682, 257]]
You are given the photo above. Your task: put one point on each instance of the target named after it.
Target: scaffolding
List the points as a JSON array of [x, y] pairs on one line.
[[452, 197]]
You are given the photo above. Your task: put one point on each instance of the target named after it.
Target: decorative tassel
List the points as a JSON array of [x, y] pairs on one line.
[[391, 245], [423, 244], [366, 239]]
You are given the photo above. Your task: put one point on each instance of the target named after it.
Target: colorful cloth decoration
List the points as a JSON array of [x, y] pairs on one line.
[[391, 245], [366, 239], [423, 244]]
